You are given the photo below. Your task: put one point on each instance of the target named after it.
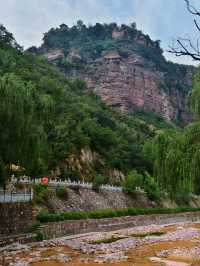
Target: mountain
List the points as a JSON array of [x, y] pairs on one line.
[[51, 125], [121, 65]]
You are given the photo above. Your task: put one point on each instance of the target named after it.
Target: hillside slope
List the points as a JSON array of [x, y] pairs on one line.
[[123, 66], [75, 133]]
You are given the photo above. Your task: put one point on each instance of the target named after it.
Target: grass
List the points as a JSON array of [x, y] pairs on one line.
[[107, 240], [142, 235], [45, 217]]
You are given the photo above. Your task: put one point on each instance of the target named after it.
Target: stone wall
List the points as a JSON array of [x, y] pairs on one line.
[[58, 229], [15, 217], [84, 199], [21, 238]]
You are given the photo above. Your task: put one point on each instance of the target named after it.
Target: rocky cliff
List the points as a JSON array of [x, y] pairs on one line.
[[130, 84], [123, 66]]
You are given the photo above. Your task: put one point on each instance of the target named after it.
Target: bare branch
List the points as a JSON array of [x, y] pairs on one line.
[[184, 46], [196, 24], [192, 9]]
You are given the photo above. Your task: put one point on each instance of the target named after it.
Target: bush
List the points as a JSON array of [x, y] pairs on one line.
[[40, 193], [102, 214], [133, 180], [98, 181], [39, 237], [183, 197], [62, 193], [45, 217], [151, 188]]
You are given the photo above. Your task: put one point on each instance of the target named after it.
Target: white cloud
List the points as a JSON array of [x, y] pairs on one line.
[[161, 19]]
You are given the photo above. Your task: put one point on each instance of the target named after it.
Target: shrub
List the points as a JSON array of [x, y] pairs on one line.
[[102, 214], [44, 217], [62, 193], [75, 215], [151, 188], [183, 197], [133, 180], [40, 192], [39, 237], [98, 181], [112, 239]]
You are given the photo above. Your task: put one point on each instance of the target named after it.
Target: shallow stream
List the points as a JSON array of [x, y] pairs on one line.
[[168, 245]]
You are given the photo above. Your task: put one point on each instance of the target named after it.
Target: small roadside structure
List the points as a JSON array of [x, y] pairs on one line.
[[112, 57]]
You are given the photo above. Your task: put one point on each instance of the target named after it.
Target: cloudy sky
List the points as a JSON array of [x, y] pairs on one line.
[[161, 19]]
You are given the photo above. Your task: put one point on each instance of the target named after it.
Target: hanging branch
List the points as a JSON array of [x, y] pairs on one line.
[[184, 46]]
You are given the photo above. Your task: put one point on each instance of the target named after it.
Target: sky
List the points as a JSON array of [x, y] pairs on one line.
[[163, 20]]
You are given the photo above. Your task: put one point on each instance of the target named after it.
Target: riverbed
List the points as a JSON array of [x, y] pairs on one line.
[[175, 244]]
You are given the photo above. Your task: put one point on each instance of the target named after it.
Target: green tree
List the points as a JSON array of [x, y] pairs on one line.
[[132, 181], [18, 136]]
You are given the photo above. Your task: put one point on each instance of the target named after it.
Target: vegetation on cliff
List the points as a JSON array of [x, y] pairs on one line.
[[45, 118], [80, 44]]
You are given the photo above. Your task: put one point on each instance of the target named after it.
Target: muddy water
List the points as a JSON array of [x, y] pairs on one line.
[[179, 245]]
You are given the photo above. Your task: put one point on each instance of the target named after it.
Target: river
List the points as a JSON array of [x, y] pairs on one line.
[[165, 245]]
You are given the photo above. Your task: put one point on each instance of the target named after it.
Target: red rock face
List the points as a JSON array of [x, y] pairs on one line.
[[134, 82], [125, 68], [130, 85]]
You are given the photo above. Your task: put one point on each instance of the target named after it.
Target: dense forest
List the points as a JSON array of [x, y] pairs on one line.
[[44, 118]]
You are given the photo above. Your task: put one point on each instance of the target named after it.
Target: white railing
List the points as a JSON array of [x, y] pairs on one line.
[[25, 196], [58, 182]]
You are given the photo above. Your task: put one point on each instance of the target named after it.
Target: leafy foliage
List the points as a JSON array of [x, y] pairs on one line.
[[8, 38], [45, 118], [176, 155], [62, 193], [40, 193], [151, 187], [45, 217], [144, 181], [98, 181], [133, 180]]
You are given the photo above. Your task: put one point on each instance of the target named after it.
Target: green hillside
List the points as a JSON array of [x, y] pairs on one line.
[[46, 118]]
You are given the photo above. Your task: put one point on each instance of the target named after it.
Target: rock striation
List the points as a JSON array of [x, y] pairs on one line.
[[132, 82], [123, 66]]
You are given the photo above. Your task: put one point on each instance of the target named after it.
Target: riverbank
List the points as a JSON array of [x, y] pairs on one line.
[[70, 227], [174, 244]]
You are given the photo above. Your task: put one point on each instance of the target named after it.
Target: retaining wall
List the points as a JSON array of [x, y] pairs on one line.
[[15, 217], [21, 238], [58, 229]]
